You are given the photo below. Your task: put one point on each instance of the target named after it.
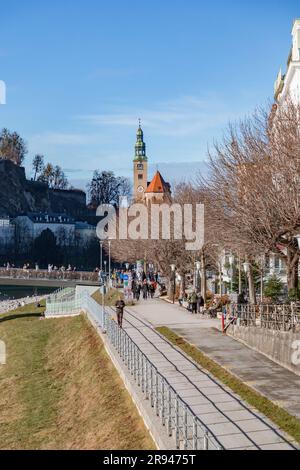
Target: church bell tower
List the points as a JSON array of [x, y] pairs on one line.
[[140, 167]]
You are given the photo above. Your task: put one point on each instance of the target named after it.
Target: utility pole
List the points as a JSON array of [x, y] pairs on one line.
[[109, 264], [240, 275]]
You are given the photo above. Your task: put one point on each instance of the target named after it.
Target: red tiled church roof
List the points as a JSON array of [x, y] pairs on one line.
[[158, 185]]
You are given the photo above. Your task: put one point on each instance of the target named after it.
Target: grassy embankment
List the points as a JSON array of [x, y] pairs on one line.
[[279, 416], [59, 389], [110, 298]]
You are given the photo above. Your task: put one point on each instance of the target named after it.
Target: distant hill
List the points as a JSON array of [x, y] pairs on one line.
[[19, 195]]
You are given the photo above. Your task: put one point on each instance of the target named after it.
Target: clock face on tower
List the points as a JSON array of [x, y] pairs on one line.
[[140, 189], [140, 166]]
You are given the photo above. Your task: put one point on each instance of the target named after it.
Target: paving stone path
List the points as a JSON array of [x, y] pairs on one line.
[[235, 424]]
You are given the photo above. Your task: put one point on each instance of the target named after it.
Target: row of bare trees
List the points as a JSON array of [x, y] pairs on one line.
[[251, 197], [254, 183]]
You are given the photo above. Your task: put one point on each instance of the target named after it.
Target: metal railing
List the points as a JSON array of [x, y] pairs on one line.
[[174, 413], [62, 303], [180, 421], [272, 317], [41, 274]]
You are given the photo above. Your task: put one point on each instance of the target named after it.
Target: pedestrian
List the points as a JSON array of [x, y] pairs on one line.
[[120, 305], [152, 289], [200, 303], [138, 291], [145, 289], [180, 298], [193, 301]]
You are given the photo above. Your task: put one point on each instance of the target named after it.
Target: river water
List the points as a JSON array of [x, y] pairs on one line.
[[18, 292]]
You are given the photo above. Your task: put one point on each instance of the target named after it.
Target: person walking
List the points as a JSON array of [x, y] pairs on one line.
[[194, 302], [138, 291], [200, 303], [145, 289], [152, 289], [120, 305]]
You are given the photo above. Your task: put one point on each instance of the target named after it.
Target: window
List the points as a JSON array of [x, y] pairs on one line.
[[140, 177]]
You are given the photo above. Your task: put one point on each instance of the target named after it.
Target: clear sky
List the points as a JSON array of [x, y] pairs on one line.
[[80, 73]]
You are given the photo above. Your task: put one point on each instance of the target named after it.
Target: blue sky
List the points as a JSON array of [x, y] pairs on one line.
[[79, 74]]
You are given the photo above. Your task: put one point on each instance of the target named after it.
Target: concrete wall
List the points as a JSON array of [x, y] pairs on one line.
[[281, 347]]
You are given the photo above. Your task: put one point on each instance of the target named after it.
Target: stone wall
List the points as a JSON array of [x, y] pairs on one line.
[[276, 345]]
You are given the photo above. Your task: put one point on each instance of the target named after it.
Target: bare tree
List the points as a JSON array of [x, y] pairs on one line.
[[37, 165], [254, 182], [54, 177]]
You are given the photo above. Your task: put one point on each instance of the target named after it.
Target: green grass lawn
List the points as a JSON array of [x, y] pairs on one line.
[[59, 389], [279, 416]]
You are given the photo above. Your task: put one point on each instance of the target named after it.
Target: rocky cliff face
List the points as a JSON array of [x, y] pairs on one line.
[[18, 195]]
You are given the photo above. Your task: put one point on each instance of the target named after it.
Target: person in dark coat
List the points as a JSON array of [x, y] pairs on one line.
[[120, 305], [200, 303], [145, 289], [152, 289], [193, 301]]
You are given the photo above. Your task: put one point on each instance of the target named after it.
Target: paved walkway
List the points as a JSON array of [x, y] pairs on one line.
[[235, 424], [275, 382]]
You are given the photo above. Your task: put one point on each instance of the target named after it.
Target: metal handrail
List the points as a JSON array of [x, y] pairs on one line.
[[273, 317], [43, 274], [175, 414]]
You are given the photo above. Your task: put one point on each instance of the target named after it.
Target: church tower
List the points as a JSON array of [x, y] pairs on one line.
[[140, 167]]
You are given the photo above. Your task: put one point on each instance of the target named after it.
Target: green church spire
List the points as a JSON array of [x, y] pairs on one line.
[[140, 146]]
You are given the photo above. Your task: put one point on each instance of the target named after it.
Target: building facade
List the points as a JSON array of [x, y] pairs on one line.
[[288, 84], [66, 230], [7, 234]]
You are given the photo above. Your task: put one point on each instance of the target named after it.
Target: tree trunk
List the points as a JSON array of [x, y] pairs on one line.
[[292, 269]]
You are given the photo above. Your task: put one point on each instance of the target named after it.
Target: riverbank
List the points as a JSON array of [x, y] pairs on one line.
[[62, 391], [13, 304]]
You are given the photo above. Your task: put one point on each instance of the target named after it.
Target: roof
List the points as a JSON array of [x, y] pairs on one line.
[[45, 218], [84, 226], [158, 185]]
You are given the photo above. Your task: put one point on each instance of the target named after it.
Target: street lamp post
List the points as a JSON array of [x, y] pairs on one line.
[[221, 278], [198, 267], [109, 263], [246, 267], [231, 262], [240, 276], [173, 269], [262, 261], [101, 256]]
